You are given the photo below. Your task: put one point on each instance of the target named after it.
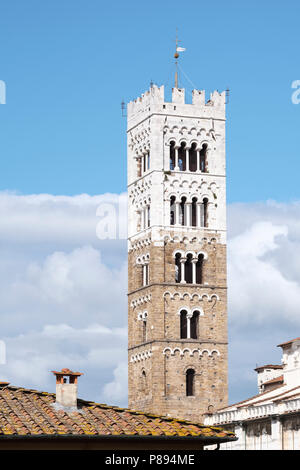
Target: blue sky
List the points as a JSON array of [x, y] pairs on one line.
[[68, 65]]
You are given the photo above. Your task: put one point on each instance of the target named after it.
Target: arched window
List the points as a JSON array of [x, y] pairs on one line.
[[204, 213], [190, 378], [199, 269], [144, 330], [182, 211], [172, 210], [139, 167], [194, 322], [193, 157], [182, 157], [189, 325], [189, 269], [177, 267], [148, 216], [203, 158], [194, 212], [183, 324], [146, 274], [172, 155], [143, 381]]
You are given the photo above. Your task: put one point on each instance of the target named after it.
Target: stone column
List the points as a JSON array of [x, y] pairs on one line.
[[176, 159], [177, 213], [187, 159], [206, 159], [182, 261], [198, 214], [188, 209], [198, 160], [194, 279], [188, 325]]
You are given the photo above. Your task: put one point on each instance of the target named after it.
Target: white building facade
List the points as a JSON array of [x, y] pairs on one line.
[[271, 419]]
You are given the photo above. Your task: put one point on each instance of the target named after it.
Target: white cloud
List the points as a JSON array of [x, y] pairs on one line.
[[63, 291], [263, 287], [94, 350], [116, 391], [258, 289]]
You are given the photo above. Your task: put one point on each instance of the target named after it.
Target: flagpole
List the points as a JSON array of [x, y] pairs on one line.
[[176, 55]]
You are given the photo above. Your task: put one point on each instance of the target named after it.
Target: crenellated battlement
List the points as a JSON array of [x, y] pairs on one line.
[[153, 102]]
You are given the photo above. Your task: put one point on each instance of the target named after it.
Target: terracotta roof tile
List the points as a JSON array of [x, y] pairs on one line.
[[25, 412], [275, 380], [288, 342]]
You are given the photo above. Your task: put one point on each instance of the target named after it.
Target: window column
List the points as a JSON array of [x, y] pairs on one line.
[[145, 274], [194, 272], [188, 210], [187, 159], [177, 213], [198, 214], [176, 159], [182, 262], [188, 319], [198, 159]]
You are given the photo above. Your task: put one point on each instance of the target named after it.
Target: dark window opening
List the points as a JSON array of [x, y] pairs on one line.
[[139, 167], [177, 267], [194, 212], [199, 270], [183, 324], [143, 381], [172, 210], [172, 155], [144, 331], [182, 157], [190, 374], [189, 269], [193, 157], [194, 325], [182, 211], [205, 212], [203, 160]]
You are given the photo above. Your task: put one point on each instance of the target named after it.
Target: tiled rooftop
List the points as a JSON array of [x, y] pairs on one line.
[[25, 412]]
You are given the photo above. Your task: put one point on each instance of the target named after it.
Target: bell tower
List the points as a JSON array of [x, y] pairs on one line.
[[177, 303]]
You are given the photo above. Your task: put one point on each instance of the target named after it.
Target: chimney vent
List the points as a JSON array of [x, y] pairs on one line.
[[66, 387]]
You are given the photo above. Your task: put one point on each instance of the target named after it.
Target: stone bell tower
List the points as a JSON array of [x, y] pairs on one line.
[[177, 306]]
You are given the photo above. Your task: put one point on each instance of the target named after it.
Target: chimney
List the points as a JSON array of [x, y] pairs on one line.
[[66, 387]]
